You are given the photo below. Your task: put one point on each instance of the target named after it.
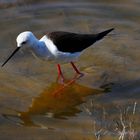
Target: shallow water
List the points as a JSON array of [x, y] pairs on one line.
[[34, 106]]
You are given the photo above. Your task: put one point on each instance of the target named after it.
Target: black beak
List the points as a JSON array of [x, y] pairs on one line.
[[10, 56]]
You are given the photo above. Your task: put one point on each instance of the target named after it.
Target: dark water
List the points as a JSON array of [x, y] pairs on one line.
[[83, 108]]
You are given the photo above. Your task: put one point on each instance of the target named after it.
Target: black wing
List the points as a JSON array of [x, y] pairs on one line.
[[72, 42]]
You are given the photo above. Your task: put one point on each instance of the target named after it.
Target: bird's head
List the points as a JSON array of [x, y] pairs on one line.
[[23, 39]]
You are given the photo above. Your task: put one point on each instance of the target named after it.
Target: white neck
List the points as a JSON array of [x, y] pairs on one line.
[[39, 49]]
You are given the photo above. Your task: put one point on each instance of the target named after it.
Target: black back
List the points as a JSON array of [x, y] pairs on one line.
[[72, 42]]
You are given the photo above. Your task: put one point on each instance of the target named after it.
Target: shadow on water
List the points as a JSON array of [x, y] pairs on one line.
[[56, 101]]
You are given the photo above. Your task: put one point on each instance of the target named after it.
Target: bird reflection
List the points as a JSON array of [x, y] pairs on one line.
[[57, 101]]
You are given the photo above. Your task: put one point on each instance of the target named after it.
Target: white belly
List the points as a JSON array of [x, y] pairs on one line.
[[61, 57], [57, 57]]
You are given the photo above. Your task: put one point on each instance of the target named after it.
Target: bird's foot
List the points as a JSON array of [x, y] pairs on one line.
[[78, 75], [63, 86], [60, 79], [65, 83]]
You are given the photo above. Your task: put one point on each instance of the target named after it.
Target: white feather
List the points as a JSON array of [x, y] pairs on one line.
[[58, 55], [45, 48]]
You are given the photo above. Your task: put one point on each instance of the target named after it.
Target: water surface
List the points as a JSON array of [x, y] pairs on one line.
[[111, 82]]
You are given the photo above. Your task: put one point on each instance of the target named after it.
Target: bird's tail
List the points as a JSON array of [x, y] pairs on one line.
[[102, 34]]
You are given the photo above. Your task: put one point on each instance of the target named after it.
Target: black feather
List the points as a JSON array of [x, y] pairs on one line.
[[72, 42]]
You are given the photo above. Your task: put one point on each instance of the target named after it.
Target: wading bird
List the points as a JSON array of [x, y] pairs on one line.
[[61, 47]]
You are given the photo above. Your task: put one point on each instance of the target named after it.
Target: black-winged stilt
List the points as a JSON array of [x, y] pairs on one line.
[[61, 47]]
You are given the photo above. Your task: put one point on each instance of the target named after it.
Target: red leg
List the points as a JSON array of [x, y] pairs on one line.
[[60, 74], [75, 68]]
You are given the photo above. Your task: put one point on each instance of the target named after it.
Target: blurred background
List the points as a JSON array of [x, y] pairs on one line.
[[94, 106]]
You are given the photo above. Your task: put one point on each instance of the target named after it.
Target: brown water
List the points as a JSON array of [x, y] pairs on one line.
[[90, 107]]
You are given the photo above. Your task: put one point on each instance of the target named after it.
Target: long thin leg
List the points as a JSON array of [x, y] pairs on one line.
[[60, 74], [76, 69]]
